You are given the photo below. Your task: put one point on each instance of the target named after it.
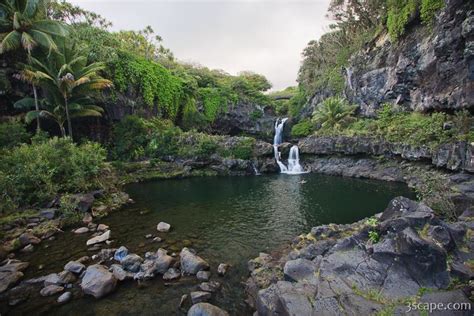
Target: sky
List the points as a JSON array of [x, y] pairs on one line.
[[264, 36]]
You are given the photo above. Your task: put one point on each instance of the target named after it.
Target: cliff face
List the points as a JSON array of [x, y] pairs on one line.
[[428, 69]]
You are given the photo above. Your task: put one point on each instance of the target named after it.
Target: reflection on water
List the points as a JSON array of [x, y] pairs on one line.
[[226, 219]]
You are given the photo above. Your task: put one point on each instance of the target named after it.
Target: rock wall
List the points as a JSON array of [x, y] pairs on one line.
[[342, 270], [428, 69], [457, 156]]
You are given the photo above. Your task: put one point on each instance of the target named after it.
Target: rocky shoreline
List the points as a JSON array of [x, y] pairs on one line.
[[343, 269]]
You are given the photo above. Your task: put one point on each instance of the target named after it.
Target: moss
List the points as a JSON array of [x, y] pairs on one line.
[[23, 215]]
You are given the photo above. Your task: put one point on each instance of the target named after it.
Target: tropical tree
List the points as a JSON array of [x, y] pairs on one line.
[[333, 113], [24, 24], [68, 81]]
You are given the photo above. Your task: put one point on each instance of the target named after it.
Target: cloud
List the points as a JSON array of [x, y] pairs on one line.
[[265, 36]]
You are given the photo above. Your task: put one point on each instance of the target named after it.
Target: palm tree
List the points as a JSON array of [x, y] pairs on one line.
[[33, 77], [333, 112], [81, 107], [24, 23], [68, 80]]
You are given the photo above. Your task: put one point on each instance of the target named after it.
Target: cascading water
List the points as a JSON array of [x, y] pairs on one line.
[[294, 166]]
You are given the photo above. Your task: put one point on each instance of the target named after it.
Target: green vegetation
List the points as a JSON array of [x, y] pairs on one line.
[[432, 189], [136, 139], [400, 13], [12, 134], [302, 129], [429, 8], [333, 113], [35, 174]]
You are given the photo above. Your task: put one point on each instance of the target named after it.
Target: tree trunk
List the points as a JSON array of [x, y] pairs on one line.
[[68, 118], [63, 131], [38, 124]]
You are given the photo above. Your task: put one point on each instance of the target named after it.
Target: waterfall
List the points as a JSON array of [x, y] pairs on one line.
[[294, 161], [255, 170], [294, 166]]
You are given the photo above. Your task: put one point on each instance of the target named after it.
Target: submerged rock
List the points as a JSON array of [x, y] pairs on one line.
[[98, 281], [51, 290], [81, 230], [64, 298], [203, 275], [163, 227], [192, 263], [98, 239], [206, 309], [222, 269]]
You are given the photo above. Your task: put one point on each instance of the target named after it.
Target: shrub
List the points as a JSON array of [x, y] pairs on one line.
[[333, 113], [428, 10], [12, 134], [302, 129], [129, 138], [244, 149], [256, 114], [34, 174], [398, 16]]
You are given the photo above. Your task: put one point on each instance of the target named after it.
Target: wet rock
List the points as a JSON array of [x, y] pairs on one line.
[[28, 238], [28, 248], [98, 281], [461, 271], [81, 230], [184, 300], [148, 236], [98, 239], [120, 253], [300, 269], [191, 263], [171, 274], [163, 227], [206, 309], [74, 267], [102, 227], [200, 296], [106, 254], [222, 269], [52, 279], [132, 262], [51, 290], [10, 274], [48, 213], [64, 298], [119, 273], [442, 236], [84, 201], [211, 286], [87, 218], [203, 275], [157, 239], [66, 277]]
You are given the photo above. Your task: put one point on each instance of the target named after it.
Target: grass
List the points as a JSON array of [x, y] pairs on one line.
[[22, 215]]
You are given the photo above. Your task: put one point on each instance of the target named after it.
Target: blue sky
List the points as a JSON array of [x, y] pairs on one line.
[[265, 36]]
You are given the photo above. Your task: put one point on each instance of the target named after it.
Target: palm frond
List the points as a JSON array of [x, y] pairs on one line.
[[86, 113], [50, 27], [10, 42], [44, 40], [25, 103], [27, 42]]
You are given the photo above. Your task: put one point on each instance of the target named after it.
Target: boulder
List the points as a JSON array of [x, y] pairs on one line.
[[222, 269], [121, 253], [98, 281], [119, 273], [51, 290], [66, 277], [132, 262], [74, 267], [98, 239], [200, 296], [87, 218], [83, 201], [28, 238], [191, 263], [203, 275], [171, 274], [48, 213], [206, 309], [81, 230], [9, 278], [300, 269], [163, 227], [64, 298], [52, 279]]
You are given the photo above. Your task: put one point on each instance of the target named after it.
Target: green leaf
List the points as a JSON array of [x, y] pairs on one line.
[[10, 42], [25, 103], [51, 27]]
